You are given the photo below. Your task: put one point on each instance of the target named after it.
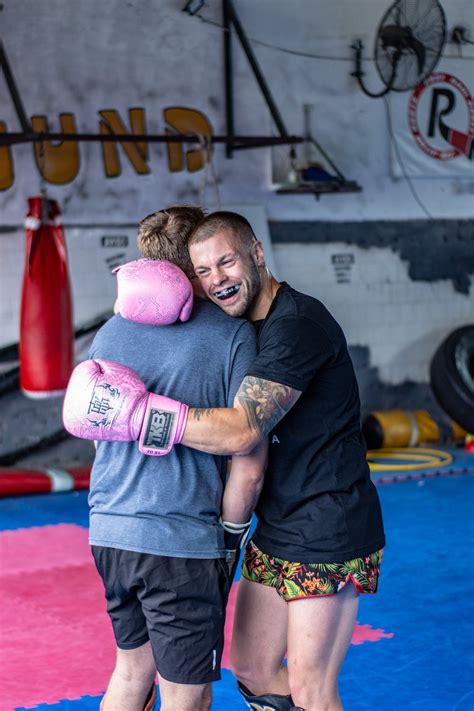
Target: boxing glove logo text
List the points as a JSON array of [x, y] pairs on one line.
[[100, 404], [158, 433]]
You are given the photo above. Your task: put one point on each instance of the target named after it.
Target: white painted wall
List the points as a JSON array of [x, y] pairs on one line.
[[402, 322]]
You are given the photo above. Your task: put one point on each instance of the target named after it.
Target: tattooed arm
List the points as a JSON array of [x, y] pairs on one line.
[[258, 406]]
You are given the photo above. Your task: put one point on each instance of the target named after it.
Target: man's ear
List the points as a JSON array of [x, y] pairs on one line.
[[259, 255]]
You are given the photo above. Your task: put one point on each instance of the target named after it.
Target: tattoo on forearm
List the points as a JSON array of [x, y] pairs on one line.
[[199, 412], [265, 402]]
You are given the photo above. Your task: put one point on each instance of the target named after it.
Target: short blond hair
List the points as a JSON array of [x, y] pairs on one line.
[[164, 235], [224, 221]]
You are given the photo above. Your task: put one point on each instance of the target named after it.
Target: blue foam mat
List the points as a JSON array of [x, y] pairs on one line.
[[44, 510], [225, 698]]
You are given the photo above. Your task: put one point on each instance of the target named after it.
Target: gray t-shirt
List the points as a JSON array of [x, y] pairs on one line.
[[169, 505]]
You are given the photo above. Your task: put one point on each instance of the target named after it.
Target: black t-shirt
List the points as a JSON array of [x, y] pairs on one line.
[[318, 504]]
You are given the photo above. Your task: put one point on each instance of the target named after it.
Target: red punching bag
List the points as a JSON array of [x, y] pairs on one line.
[[46, 327]]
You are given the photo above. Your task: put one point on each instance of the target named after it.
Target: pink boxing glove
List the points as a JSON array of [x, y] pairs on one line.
[[108, 401], [153, 292]]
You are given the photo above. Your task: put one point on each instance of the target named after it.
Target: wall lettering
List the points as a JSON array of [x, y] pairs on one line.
[[186, 121], [59, 162], [342, 264], [7, 176], [114, 241], [137, 153], [440, 139]]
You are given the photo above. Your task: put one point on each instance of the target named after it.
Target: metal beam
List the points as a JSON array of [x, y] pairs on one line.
[[13, 89], [228, 78], [256, 70], [240, 142]]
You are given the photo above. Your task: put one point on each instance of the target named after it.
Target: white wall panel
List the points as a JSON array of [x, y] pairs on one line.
[[399, 320]]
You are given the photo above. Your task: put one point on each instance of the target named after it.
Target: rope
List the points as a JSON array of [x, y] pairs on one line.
[[210, 175], [419, 458]]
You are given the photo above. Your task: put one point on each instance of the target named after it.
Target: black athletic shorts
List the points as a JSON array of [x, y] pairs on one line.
[[176, 603]]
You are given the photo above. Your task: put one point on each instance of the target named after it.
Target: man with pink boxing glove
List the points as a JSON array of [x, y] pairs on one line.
[[156, 531]]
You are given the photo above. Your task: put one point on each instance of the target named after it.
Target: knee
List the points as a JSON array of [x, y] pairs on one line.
[[136, 665], [243, 670], [300, 691], [251, 672], [204, 700], [207, 701], [260, 678], [309, 691], [240, 664], [180, 696]]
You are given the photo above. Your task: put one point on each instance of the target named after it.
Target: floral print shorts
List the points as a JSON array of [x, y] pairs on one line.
[[294, 581]]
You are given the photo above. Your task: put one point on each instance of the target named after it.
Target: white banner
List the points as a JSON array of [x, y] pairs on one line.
[[433, 125]]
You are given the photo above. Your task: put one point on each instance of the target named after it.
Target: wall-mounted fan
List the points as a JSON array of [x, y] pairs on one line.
[[408, 45]]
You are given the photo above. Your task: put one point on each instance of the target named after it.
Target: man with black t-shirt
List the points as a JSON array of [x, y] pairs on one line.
[[320, 529]]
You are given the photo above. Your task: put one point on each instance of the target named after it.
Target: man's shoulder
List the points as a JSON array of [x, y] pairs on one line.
[[295, 304], [109, 327]]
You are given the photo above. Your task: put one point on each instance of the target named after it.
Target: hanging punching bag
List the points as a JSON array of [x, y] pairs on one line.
[[46, 327]]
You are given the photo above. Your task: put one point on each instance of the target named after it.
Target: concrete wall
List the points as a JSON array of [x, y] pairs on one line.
[[394, 288]]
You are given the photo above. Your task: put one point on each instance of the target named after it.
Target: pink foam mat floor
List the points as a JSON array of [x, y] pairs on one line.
[[57, 642]]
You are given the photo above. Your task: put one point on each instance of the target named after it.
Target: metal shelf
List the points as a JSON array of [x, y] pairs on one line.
[[319, 187]]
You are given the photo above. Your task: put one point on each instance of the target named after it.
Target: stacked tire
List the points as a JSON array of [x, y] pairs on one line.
[[452, 376]]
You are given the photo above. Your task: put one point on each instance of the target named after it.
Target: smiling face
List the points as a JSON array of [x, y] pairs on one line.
[[228, 271]]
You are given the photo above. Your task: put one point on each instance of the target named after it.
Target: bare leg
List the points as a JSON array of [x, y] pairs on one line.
[[184, 697], [259, 639], [319, 635], [131, 680]]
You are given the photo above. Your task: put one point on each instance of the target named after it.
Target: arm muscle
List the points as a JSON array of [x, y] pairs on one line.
[[258, 407]]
